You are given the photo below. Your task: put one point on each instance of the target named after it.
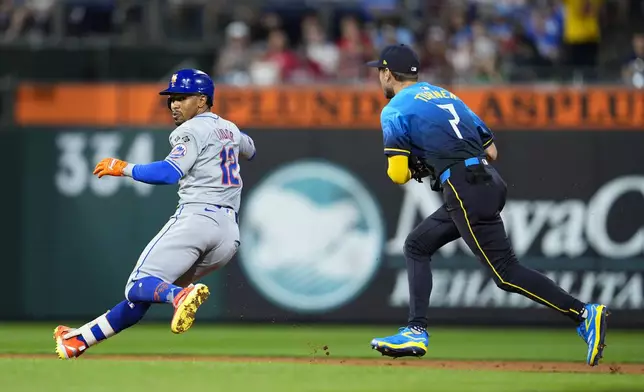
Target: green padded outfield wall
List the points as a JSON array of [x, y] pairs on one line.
[[322, 227]]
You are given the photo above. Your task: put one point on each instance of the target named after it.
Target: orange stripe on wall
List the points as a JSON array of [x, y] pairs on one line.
[[328, 107]]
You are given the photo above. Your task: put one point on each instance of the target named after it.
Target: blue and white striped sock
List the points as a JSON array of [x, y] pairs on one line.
[[124, 315]]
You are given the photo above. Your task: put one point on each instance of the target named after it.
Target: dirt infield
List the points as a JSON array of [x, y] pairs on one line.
[[520, 366]]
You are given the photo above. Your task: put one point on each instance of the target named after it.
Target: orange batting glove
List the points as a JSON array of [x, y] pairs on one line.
[[110, 167]]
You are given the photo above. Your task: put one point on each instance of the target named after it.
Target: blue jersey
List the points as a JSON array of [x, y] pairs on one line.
[[434, 125]]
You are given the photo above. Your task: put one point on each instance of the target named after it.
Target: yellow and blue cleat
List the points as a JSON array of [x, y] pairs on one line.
[[186, 304], [593, 331], [407, 343]]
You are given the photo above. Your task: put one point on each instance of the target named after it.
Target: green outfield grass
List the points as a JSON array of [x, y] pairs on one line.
[[109, 376], [124, 375], [350, 342]]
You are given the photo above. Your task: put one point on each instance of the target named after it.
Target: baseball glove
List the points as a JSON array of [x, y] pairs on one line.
[[418, 169]]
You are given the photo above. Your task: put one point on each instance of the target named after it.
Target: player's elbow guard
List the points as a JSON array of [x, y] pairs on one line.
[[398, 177], [398, 170]]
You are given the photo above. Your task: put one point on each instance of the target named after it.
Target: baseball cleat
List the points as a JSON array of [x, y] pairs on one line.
[[407, 343], [68, 348], [186, 305], [593, 331]]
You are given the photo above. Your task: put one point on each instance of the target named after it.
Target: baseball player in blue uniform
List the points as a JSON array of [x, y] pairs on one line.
[[200, 237], [430, 133]]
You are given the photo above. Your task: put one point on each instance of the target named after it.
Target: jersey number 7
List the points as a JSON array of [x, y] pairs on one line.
[[454, 122], [228, 167]]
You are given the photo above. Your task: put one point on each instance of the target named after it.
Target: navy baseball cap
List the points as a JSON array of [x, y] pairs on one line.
[[397, 58]]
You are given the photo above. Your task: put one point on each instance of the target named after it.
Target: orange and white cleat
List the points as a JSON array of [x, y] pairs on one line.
[[186, 305], [72, 347]]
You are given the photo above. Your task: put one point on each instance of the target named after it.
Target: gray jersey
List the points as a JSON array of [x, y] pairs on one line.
[[198, 238], [206, 151]]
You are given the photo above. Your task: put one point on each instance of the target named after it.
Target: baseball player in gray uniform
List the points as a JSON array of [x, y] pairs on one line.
[[200, 237]]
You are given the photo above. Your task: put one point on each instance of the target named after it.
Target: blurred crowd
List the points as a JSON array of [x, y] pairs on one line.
[[475, 41], [471, 41]]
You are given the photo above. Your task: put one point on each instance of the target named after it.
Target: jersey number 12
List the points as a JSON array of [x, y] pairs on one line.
[[228, 167], [453, 122]]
